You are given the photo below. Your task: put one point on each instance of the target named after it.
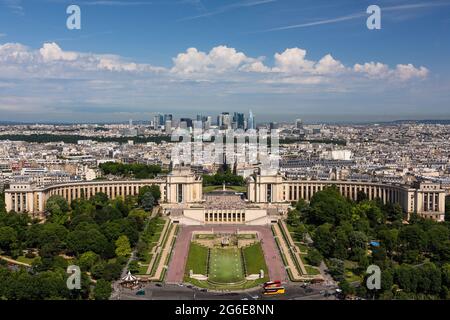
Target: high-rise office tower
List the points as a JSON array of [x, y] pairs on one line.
[[156, 122], [188, 122], [298, 124], [168, 126], [251, 120], [239, 119], [167, 117]]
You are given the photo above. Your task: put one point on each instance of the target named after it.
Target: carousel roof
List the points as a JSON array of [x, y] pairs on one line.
[[129, 277]]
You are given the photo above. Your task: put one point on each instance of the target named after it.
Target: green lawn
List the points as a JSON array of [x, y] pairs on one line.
[[254, 259], [225, 266], [26, 260], [197, 259], [311, 270], [246, 236], [350, 268], [205, 236]]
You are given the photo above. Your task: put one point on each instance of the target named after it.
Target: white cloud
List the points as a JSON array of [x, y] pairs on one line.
[[402, 72], [328, 65], [408, 71], [257, 66], [372, 69], [292, 61], [219, 60], [52, 52], [222, 64]]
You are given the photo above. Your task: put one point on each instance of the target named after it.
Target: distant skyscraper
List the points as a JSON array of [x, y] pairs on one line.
[[168, 126], [239, 119], [155, 122], [161, 119], [224, 120], [188, 122], [167, 117], [251, 120], [299, 124], [130, 123]]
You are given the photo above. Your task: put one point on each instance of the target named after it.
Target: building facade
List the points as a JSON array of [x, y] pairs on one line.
[[425, 199], [181, 186], [268, 196]]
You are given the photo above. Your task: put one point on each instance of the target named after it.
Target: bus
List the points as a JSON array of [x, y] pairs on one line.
[[272, 291], [270, 284]]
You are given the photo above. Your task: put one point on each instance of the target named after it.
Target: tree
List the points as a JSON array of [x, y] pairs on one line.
[[407, 277], [99, 200], [447, 208], [429, 278], [336, 269], [389, 238], [346, 288], [107, 271], [147, 201], [8, 237], [446, 275], [293, 218], [323, 239], [361, 196], [82, 206], [148, 196], [412, 237], [133, 266], [51, 235], [138, 214], [314, 257], [87, 237], [394, 212], [301, 206], [437, 237], [87, 260], [102, 290], [123, 248], [58, 209], [328, 206], [156, 192], [2, 203]]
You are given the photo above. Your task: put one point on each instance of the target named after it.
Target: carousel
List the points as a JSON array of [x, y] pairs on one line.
[[129, 281]]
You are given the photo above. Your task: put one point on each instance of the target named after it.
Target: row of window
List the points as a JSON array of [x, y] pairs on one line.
[[430, 201], [225, 217], [296, 192], [87, 192]]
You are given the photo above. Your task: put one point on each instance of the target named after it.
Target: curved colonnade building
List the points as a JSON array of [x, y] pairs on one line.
[[269, 196], [425, 199]]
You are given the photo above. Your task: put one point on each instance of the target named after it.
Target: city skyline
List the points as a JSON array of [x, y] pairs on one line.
[[281, 59]]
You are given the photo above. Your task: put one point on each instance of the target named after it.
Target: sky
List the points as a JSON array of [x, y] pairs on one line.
[[282, 59]]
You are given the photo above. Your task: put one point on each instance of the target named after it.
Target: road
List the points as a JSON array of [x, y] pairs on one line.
[[176, 292]]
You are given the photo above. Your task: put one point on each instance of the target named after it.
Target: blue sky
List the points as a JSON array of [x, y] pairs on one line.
[[312, 59]]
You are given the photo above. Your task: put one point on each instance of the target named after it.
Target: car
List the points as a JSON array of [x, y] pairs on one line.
[[158, 284], [204, 290], [189, 286], [140, 292], [308, 290]]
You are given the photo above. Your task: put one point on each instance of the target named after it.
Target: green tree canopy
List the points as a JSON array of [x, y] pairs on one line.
[[102, 290], [123, 248]]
